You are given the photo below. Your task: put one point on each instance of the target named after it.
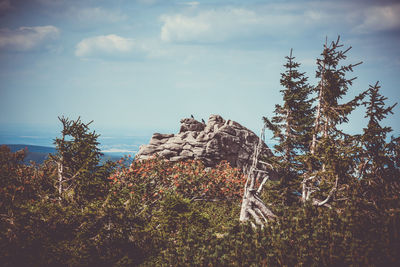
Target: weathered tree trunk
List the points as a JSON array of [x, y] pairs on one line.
[[316, 123], [60, 168], [319, 107], [60, 171], [252, 205], [288, 115], [308, 189]]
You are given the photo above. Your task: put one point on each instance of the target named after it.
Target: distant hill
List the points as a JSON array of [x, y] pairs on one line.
[[32, 148], [39, 154]]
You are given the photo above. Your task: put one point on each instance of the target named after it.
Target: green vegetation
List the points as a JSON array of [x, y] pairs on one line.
[[337, 201]]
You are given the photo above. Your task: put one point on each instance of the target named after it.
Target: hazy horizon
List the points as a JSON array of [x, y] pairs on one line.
[[138, 67]]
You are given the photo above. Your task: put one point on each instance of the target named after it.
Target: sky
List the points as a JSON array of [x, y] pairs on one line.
[[138, 67]]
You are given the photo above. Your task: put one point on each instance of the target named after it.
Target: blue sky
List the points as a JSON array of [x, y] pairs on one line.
[[138, 67]]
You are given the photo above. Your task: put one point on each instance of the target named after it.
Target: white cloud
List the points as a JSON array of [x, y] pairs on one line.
[[27, 38], [207, 26], [380, 18], [191, 4], [218, 25], [105, 45], [182, 28], [277, 19], [114, 47]]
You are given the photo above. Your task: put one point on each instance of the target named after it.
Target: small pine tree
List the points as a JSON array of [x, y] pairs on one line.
[[77, 157], [292, 125], [374, 137], [378, 167]]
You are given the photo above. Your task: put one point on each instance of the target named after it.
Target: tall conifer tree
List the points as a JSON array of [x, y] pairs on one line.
[[333, 86], [292, 124], [331, 150]]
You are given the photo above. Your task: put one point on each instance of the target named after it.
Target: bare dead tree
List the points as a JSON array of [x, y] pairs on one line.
[[252, 205], [60, 160]]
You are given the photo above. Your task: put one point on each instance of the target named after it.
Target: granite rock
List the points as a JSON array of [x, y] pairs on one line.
[[213, 142]]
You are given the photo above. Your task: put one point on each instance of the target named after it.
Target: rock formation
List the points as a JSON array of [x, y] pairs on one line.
[[213, 142]]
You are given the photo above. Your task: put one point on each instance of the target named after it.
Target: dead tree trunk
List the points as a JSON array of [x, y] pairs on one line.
[[252, 205], [319, 106], [308, 189], [60, 165]]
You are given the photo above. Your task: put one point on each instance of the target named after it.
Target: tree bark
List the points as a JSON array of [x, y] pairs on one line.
[[319, 107], [252, 205]]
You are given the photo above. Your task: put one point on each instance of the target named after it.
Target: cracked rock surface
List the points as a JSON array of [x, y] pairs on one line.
[[213, 142]]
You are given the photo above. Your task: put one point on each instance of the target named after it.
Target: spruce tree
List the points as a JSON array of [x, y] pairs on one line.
[[331, 150], [374, 136], [379, 166], [333, 86], [77, 158], [292, 125]]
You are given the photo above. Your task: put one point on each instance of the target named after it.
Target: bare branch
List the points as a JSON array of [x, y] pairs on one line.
[[262, 184]]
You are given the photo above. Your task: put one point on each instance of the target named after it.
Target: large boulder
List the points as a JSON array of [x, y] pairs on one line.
[[213, 142]]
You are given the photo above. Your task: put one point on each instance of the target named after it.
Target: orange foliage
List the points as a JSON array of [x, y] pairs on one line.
[[153, 177]]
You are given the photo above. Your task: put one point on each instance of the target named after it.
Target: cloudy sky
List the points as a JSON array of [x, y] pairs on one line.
[[140, 66]]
